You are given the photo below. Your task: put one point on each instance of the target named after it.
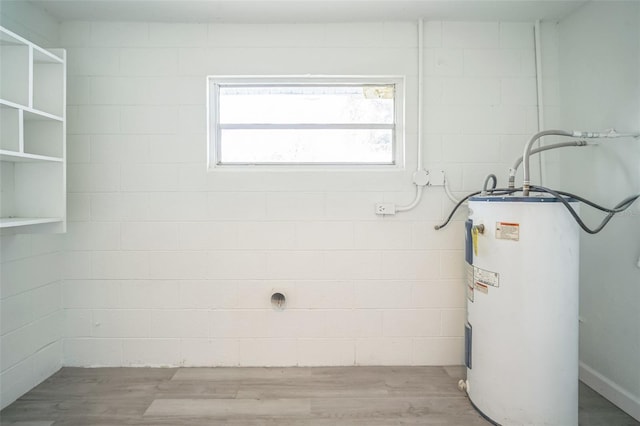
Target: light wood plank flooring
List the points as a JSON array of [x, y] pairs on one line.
[[365, 396]]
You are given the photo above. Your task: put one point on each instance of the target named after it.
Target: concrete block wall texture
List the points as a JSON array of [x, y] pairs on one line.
[[32, 318], [607, 96], [31, 313], [169, 264]]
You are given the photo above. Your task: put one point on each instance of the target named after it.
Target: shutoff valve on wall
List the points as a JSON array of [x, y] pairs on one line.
[[421, 178]]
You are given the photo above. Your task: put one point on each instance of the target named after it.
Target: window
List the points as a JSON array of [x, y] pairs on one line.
[[305, 121]]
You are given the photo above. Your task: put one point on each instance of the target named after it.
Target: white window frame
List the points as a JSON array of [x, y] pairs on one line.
[[214, 128]]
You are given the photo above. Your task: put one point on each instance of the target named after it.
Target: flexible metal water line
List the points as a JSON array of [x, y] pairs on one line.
[[516, 164], [526, 183]]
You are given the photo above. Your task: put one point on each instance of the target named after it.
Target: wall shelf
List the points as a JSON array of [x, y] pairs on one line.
[[30, 113], [12, 222], [32, 136], [13, 156]]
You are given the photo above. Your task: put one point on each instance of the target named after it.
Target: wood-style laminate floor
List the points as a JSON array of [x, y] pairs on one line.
[[365, 396]]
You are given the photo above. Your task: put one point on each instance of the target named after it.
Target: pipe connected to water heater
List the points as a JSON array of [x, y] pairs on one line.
[[516, 164], [526, 183], [557, 194]]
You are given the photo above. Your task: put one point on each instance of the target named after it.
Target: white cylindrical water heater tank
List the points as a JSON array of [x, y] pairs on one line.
[[522, 310]]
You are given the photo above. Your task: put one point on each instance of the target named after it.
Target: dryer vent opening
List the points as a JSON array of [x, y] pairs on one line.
[[278, 301]]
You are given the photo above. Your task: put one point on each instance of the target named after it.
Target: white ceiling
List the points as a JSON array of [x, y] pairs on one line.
[[267, 11]]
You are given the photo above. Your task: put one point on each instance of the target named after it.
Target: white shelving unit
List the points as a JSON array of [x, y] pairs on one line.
[[32, 136]]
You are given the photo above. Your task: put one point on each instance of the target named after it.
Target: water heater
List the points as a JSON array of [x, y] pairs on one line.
[[522, 310]]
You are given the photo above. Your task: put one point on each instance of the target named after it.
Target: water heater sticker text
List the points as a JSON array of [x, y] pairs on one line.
[[485, 278], [507, 231]]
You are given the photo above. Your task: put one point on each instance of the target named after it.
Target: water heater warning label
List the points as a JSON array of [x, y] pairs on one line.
[[507, 231]]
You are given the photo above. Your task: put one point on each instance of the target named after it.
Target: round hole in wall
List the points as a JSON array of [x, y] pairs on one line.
[[278, 300]]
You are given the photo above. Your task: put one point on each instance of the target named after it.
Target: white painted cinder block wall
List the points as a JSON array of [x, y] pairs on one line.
[[31, 315], [167, 264]]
